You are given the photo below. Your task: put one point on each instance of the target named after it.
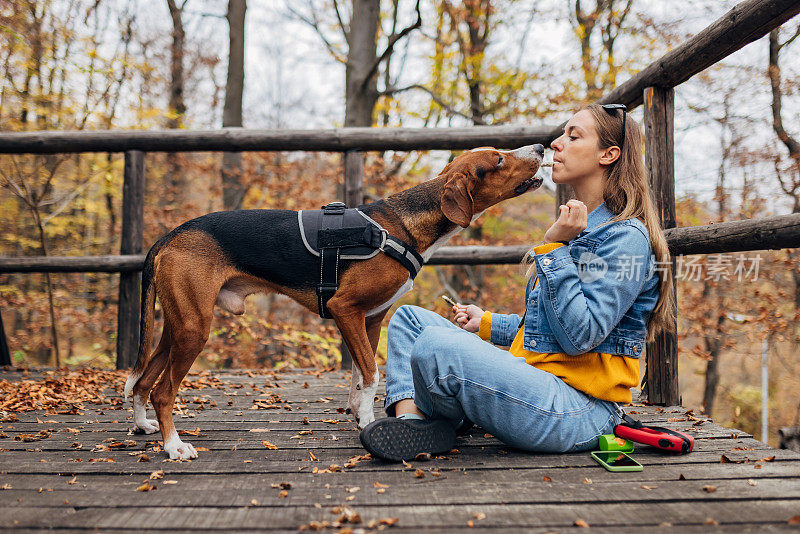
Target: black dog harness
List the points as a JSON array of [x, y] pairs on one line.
[[336, 233]]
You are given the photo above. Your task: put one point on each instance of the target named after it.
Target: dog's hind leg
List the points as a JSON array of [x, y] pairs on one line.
[[185, 348], [187, 295], [155, 365]]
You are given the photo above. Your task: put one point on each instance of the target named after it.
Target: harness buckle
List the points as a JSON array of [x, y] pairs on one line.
[[384, 235], [334, 208]]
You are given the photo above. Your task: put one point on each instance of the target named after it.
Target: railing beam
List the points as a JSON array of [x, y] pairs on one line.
[[768, 233]]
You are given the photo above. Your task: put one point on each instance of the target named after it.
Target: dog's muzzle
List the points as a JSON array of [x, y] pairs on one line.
[[532, 182]]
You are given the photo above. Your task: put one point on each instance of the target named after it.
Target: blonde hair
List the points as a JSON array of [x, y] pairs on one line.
[[626, 193]]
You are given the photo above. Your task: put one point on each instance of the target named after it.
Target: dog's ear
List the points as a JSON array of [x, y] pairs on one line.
[[457, 199]]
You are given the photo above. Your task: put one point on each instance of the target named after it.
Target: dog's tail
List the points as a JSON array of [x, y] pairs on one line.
[[146, 316]]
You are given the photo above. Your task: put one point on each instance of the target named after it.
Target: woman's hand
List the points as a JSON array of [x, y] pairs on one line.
[[572, 220], [468, 317]]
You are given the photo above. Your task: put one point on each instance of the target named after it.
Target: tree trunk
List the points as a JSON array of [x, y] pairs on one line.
[[233, 190], [361, 82], [177, 106]]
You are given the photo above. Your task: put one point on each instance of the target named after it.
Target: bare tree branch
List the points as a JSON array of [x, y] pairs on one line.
[[345, 28], [435, 98], [390, 45], [314, 23]]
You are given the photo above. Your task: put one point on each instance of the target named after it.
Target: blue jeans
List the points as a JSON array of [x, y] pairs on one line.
[[453, 374]]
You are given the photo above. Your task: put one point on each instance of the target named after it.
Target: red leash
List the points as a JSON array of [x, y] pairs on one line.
[[655, 436]]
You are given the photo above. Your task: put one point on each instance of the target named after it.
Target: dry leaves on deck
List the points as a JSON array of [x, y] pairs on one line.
[[60, 391]]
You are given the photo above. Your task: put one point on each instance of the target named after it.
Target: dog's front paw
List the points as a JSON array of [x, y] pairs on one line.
[[148, 426], [365, 419], [178, 450]]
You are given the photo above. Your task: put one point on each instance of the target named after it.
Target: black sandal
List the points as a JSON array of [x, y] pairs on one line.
[[396, 439]]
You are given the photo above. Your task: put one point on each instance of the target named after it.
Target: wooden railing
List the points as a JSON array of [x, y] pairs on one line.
[[653, 86]]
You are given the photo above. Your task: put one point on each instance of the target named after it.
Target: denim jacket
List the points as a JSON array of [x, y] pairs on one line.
[[594, 295]]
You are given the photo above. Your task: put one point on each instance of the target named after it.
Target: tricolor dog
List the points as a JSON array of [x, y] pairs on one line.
[[350, 265]]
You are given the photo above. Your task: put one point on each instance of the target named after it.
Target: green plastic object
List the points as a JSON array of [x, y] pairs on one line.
[[616, 461], [610, 442]]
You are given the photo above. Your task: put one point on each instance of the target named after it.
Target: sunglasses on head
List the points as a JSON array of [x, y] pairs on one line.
[[611, 109]]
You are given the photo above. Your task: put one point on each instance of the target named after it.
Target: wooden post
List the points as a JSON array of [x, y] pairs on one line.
[[353, 196], [5, 355], [130, 283], [662, 355], [564, 192]]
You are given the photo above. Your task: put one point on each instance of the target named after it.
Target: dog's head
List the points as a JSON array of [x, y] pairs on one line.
[[485, 176]]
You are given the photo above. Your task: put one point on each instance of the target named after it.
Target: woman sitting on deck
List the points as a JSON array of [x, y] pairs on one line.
[[596, 288]]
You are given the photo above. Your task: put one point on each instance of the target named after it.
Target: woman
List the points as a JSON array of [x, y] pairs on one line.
[[599, 287]]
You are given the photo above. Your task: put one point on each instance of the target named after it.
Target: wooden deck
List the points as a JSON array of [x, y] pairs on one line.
[[85, 475]]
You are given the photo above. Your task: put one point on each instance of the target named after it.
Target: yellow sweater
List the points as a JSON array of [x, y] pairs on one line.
[[603, 376]]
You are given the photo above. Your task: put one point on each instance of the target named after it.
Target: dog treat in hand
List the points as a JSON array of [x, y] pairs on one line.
[[449, 300]]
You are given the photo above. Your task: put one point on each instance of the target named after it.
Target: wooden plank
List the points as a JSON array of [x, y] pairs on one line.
[[130, 283], [226, 481], [243, 460], [661, 375], [444, 489], [508, 516]]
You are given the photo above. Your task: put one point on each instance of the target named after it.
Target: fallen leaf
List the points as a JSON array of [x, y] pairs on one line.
[[388, 521], [587, 480], [269, 445], [794, 520], [143, 458], [644, 486], [379, 485], [752, 482], [347, 515], [419, 473], [259, 430], [709, 489], [768, 459], [711, 521], [581, 523], [547, 479], [155, 475], [146, 487]]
